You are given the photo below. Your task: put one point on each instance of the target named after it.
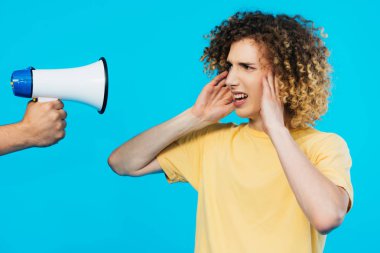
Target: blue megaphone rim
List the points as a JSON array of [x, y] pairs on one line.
[[23, 85]]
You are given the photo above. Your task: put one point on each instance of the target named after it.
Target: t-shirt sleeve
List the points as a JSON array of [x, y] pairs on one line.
[[334, 161], [181, 161]]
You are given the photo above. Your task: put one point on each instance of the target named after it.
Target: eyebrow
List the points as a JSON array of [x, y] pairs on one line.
[[244, 63]]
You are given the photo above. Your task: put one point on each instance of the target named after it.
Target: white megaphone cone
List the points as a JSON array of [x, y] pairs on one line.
[[87, 84]]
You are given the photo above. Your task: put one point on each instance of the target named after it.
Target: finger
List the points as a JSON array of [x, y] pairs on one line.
[[278, 94], [228, 98], [58, 105], [222, 93], [64, 124], [265, 87], [62, 114], [231, 105], [221, 84], [218, 89], [61, 125], [218, 78], [61, 135], [271, 84], [277, 89]]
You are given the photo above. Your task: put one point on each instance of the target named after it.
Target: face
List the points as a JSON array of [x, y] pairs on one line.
[[246, 72]]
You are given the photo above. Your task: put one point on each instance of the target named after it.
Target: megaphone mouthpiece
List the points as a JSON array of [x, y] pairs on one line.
[[22, 82]]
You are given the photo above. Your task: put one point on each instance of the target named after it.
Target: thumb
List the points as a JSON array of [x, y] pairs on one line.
[[231, 106]]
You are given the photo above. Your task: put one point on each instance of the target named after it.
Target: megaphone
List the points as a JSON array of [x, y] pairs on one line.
[[87, 84]]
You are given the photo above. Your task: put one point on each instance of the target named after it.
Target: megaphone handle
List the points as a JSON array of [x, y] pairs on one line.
[[46, 99]]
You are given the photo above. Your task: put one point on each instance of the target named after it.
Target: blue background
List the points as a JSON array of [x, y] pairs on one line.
[[66, 199]]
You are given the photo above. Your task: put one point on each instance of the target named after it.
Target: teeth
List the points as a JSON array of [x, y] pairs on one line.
[[240, 95]]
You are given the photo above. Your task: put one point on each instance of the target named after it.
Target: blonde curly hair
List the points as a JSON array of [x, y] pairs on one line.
[[294, 48]]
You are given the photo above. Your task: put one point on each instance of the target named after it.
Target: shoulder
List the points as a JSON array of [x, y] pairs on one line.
[[313, 136], [220, 127], [318, 143], [214, 131], [206, 132]]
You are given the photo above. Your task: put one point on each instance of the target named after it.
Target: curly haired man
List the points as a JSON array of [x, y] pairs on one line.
[[273, 184]]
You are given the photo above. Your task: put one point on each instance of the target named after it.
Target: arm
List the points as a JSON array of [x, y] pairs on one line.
[[43, 125], [137, 156], [324, 203], [311, 188], [13, 138]]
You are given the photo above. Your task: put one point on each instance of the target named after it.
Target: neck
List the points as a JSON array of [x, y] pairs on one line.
[[258, 124]]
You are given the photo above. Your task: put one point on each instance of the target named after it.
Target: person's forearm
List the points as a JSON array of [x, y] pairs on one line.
[[143, 148], [320, 199], [12, 138]]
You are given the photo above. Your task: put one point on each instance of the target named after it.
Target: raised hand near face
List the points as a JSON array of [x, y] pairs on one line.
[[215, 100], [272, 109]]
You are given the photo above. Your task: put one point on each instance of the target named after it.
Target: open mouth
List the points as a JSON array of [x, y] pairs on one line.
[[240, 96]]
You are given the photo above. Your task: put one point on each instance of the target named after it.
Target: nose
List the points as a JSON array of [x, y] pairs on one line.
[[232, 79]]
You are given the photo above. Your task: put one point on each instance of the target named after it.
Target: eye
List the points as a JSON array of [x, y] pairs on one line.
[[246, 67]]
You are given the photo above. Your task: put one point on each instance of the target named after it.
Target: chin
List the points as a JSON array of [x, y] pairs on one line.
[[245, 113]]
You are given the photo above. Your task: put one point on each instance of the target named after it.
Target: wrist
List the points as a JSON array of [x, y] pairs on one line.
[[276, 130], [24, 136], [197, 121]]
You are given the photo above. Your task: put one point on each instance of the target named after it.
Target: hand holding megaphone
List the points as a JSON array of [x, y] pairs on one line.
[[87, 84], [43, 124]]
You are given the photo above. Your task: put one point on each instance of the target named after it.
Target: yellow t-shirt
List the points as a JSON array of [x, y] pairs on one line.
[[245, 203]]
